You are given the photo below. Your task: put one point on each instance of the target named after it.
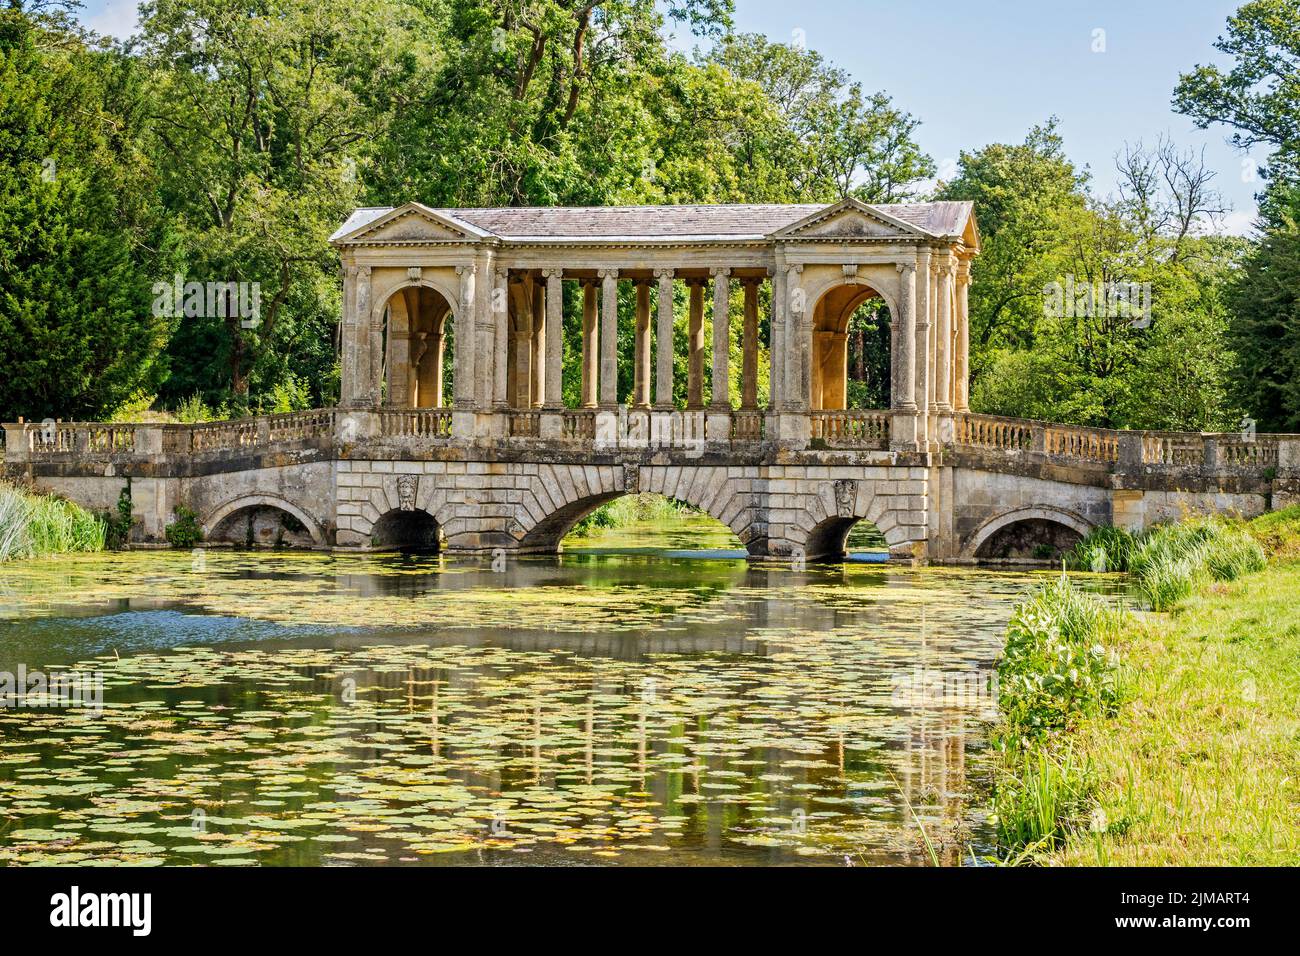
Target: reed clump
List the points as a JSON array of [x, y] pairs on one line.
[[32, 525]]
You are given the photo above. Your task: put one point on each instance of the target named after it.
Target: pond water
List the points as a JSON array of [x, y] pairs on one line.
[[627, 702]]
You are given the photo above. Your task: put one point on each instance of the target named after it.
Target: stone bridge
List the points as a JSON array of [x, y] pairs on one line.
[[455, 426], [390, 478]]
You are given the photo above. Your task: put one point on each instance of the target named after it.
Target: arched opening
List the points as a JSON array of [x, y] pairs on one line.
[[399, 530], [852, 349], [853, 539], [261, 526], [1029, 539], [643, 522], [418, 349]]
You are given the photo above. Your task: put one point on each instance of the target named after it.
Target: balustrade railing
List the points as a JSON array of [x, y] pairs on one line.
[[578, 425], [1258, 453], [992, 431], [426, 423], [851, 428], [525, 424], [747, 425], [844, 428], [1173, 448], [1088, 444]]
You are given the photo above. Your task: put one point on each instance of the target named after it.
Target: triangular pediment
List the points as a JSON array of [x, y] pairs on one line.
[[850, 219], [412, 222]]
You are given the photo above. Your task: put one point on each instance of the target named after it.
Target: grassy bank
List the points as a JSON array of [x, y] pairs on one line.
[[1192, 758], [33, 525]]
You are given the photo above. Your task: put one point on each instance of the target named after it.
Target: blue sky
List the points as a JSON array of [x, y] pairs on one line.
[[981, 72]]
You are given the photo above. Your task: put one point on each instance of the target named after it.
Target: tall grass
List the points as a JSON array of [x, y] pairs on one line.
[[1173, 562], [32, 525], [1102, 550], [1169, 563], [1040, 801]]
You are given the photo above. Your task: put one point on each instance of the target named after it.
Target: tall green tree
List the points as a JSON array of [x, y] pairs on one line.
[[1023, 194], [257, 119], [80, 232], [1265, 328], [834, 140]]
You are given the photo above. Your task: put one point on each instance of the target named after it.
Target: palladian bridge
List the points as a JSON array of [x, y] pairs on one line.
[[453, 426]]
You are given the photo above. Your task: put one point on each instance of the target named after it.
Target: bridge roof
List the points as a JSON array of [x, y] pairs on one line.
[[739, 221]]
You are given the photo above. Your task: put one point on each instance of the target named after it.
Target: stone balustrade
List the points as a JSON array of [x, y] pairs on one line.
[[850, 428], [1146, 452]]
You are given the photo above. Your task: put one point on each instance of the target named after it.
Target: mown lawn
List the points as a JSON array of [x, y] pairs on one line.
[[1201, 765]]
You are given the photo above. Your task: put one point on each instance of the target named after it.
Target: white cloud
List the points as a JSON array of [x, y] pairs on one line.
[[1238, 223], [114, 18]]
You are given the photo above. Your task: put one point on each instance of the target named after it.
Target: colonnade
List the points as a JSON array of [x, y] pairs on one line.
[[527, 324]]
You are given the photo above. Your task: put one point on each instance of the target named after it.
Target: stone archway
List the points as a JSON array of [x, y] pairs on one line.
[[829, 514], [417, 364], [405, 529], [833, 330], [260, 511], [562, 495], [1039, 523]]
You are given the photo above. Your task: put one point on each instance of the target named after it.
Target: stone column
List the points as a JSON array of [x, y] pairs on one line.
[[695, 346], [798, 342], [484, 339], [398, 364], [355, 357], [608, 337], [921, 355], [943, 340], [523, 346], [905, 323], [554, 337], [501, 334], [777, 398], [721, 397], [374, 319], [664, 341], [590, 343], [903, 432], [463, 386], [538, 385], [749, 352], [419, 343], [641, 368], [961, 373]]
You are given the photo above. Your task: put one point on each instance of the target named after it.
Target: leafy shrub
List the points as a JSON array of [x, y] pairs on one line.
[[1055, 667], [185, 531], [117, 523], [193, 410]]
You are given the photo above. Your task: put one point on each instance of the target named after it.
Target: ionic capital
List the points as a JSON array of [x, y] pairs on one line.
[[607, 273], [662, 274], [552, 273], [720, 271]]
